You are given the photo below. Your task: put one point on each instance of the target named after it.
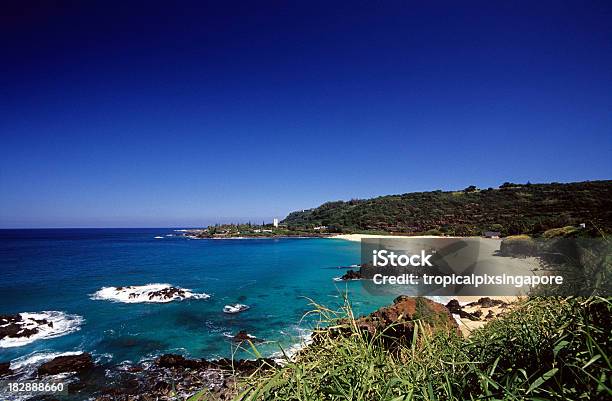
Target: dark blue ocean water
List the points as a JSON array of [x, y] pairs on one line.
[[58, 270]]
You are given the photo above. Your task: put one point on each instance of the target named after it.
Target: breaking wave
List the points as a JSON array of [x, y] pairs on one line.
[[153, 293], [25, 328]]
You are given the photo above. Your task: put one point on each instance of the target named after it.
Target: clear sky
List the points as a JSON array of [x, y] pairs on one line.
[[135, 114]]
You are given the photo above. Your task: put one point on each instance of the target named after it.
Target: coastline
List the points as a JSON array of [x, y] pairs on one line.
[[466, 325], [220, 378], [259, 237], [193, 374], [359, 237]]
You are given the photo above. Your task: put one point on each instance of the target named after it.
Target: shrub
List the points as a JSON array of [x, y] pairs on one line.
[[546, 348], [518, 245], [549, 348], [560, 232]]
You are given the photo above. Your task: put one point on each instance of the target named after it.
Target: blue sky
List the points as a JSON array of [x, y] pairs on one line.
[[145, 114]]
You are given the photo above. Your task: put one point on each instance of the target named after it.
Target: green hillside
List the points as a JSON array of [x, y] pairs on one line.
[[510, 209]]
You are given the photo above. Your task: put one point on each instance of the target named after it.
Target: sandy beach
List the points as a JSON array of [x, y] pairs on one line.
[[465, 325], [359, 237]]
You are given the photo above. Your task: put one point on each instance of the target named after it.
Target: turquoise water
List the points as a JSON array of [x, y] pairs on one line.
[[58, 270]]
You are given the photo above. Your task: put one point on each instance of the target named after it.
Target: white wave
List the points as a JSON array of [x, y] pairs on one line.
[[236, 308], [337, 279], [25, 368], [125, 365], [103, 358], [59, 324], [158, 237], [153, 293], [230, 335], [305, 339], [36, 359]]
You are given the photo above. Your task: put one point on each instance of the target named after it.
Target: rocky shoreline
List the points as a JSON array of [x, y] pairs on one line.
[[166, 378], [173, 375], [206, 234], [170, 375]]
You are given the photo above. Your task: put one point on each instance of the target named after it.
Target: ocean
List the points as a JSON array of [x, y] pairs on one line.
[[64, 275]]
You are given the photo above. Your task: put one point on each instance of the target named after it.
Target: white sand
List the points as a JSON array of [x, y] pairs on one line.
[[489, 246], [467, 326], [359, 237]]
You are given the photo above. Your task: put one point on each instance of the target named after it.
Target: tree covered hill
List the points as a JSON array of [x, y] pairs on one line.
[[510, 209]]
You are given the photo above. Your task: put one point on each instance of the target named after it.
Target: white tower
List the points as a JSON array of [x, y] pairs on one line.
[[275, 223]]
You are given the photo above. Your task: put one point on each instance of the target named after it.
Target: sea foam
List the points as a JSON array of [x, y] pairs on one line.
[[149, 293], [36, 359], [58, 324]]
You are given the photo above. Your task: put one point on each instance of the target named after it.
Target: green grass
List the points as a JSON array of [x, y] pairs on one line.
[[546, 348]]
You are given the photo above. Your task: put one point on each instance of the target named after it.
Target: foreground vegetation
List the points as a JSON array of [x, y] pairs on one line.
[[509, 209], [545, 348]]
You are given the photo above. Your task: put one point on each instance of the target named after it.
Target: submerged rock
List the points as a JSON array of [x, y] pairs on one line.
[[67, 363]]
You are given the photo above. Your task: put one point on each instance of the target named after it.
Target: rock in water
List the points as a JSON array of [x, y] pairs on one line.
[[244, 336], [5, 369], [167, 293], [13, 326], [351, 275], [67, 363]]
